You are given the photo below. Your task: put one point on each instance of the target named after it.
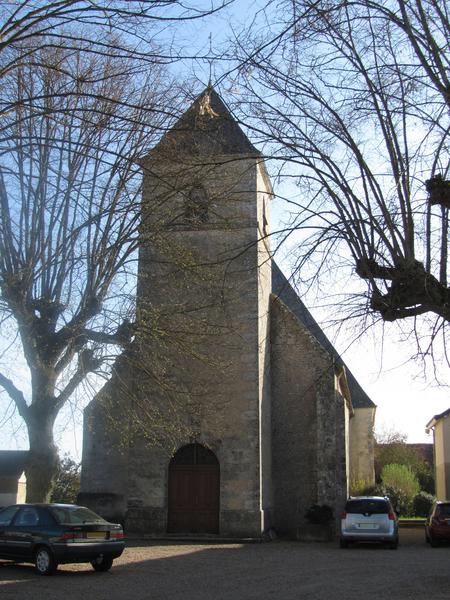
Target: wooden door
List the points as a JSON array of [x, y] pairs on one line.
[[194, 490]]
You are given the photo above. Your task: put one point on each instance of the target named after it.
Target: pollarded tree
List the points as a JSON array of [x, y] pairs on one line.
[[352, 97], [69, 215]]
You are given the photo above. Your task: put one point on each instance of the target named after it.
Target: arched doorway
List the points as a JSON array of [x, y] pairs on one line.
[[194, 490]]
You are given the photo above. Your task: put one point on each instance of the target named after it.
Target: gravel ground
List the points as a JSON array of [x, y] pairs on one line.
[[279, 569]]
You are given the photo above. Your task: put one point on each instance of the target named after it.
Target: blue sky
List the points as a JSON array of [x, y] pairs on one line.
[[380, 361]]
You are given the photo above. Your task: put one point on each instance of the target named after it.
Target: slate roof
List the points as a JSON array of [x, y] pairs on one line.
[[12, 462], [206, 128], [285, 292]]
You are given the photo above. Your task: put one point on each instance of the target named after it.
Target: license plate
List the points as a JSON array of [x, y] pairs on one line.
[[367, 526], [95, 535]]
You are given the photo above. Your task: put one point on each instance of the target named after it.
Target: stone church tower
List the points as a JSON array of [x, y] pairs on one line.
[[231, 413]]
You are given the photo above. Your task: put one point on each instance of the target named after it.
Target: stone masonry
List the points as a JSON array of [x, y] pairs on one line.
[[223, 358]]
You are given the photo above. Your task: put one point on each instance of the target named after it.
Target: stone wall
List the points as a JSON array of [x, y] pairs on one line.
[[308, 424], [362, 446], [264, 258], [107, 431], [205, 337], [217, 360]]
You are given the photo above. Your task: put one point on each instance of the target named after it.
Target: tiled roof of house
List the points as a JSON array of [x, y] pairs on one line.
[[12, 462], [283, 290], [206, 128]]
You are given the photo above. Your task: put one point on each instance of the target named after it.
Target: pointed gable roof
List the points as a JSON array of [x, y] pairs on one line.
[[206, 128]]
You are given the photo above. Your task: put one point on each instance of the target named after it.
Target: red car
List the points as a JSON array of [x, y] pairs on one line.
[[437, 526]]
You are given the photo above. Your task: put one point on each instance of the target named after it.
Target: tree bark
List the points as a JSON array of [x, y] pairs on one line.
[[42, 464]]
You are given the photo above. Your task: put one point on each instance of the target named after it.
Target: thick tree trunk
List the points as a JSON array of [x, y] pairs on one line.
[[43, 457]]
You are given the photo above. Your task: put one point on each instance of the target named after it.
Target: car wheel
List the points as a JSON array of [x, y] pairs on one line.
[[343, 543], [393, 545], [44, 562], [433, 542], [102, 563]]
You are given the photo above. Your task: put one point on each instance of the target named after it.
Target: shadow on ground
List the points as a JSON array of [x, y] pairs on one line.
[[281, 570]]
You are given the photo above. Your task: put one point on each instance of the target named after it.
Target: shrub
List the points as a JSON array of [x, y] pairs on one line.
[[422, 504], [361, 487], [401, 486], [376, 490], [402, 478], [427, 482], [400, 501], [391, 448], [67, 483]]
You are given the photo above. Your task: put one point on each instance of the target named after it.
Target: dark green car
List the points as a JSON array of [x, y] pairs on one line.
[[52, 534]]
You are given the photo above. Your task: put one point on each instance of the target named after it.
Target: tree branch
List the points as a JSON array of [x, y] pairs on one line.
[[122, 337], [87, 363], [15, 394]]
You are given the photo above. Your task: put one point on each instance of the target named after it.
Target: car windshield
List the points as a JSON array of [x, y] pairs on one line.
[[364, 506], [75, 515]]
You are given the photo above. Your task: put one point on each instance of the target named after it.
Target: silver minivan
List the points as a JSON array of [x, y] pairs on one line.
[[369, 519]]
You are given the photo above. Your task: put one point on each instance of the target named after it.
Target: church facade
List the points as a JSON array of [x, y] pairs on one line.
[[231, 413]]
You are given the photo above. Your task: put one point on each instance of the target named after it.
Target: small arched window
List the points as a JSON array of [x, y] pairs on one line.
[[196, 205]]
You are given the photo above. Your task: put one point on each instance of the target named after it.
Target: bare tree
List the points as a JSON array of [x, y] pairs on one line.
[[69, 215], [142, 30], [352, 99], [81, 98], [31, 25]]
